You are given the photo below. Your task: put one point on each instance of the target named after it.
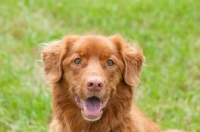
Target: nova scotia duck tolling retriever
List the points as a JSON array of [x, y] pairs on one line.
[[93, 80]]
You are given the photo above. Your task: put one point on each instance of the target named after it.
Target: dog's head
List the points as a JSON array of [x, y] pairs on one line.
[[92, 67]]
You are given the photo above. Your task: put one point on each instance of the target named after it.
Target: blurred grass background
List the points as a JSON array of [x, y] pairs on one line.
[[168, 31]]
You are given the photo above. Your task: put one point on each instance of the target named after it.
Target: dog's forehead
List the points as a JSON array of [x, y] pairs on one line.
[[94, 46]]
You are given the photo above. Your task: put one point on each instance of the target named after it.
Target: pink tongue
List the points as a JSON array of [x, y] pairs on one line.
[[92, 106]]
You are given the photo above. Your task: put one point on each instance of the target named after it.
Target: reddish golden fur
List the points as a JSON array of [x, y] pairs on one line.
[[68, 79]]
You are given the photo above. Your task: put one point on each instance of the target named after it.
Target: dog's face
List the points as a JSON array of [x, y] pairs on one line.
[[92, 67]]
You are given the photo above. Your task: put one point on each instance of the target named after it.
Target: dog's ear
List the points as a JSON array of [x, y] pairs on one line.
[[133, 59], [52, 56]]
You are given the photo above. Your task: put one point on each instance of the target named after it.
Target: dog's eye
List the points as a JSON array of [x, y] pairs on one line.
[[77, 61], [110, 62]]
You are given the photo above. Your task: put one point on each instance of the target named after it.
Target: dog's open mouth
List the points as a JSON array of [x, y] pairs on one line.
[[91, 108]]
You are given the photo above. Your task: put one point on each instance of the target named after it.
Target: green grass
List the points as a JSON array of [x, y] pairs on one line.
[[168, 31]]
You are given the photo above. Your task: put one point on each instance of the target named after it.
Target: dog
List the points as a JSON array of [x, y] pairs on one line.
[[93, 78]]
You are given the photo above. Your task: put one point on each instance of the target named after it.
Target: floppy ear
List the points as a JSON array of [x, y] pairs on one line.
[[52, 55], [133, 59]]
